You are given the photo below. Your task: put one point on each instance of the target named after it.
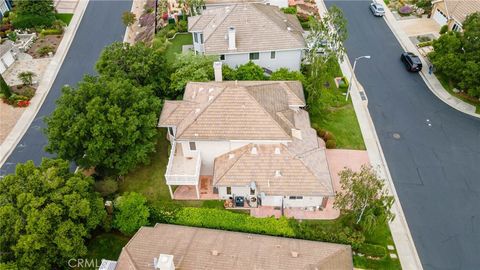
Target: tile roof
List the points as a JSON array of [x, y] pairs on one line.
[[460, 9], [258, 27], [193, 248], [246, 110]]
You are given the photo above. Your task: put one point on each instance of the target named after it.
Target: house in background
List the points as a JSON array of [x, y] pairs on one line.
[[249, 32], [5, 5], [453, 12], [170, 247], [250, 140], [222, 3]]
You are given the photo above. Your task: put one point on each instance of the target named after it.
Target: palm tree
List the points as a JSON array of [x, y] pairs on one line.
[[26, 77]]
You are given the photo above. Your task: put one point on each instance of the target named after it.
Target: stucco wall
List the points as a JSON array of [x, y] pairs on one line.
[[283, 59], [237, 191], [305, 202]]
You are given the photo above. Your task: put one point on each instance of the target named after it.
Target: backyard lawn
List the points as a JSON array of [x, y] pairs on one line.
[[176, 44], [64, 17]]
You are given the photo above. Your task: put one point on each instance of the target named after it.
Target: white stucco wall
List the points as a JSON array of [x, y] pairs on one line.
[[272, 201], [197, 46], [283, 59], [236, 190], [278, 3], [305, 202]]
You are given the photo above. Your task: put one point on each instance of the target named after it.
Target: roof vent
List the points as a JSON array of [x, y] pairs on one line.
[[277, 150], [165, 262], [215, 252], [210, 98], [294, 254], [289, 29], [200, 89], [254, 150], [197, 110], [196, 134], [230, 156], [278, 246], [278, 173], [210, 90]]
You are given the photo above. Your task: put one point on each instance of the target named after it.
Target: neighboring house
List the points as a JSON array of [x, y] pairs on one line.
[[453, 12], [253, 138], [223, 3], [249, 32], [5, 5], [170, 247], [7, 55]]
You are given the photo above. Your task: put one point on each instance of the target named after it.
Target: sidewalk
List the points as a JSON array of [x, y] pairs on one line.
[[44, 86], [430, 79], [405, 246]]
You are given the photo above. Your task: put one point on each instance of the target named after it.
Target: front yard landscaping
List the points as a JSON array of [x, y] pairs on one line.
[[175, 45], [64, 17]]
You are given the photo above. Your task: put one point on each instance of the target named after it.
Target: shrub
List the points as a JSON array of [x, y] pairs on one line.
[[305, 25], [372, 250], [423, 38], [171, 33], [106, 187], [128, 18], [12, 36], [331, 144], [283, 74], [43, 51], [303, 17], [131, 212], [320, 132], [26, 77], [289, 10], [182, 26], [228, 73], [425, 44], [23, 21], [46, 32], [29, 92], [405, 10], [226, 220], [343, 83], [249, 72], [444, 29], [164, 213], [328, 136], [339, 233]]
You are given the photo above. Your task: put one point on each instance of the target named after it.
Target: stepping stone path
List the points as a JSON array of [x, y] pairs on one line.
[[393, 256], [390, 247]]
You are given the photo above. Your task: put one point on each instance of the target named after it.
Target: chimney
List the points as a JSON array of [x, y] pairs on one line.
[[231, 38], [217, 70], [165, 262]]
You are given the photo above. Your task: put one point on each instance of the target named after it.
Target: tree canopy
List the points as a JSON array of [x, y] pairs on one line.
[[456, 56], [33, 13], [364, 197], [283, 74], [139, 63], [46, 212], [104, 123], [190, 68], [131, 212], [249, 72]]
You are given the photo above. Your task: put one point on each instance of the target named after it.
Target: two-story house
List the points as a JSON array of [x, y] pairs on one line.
[[252, 137], [249, 32]]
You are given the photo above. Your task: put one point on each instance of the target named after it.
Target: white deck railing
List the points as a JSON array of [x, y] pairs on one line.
[[182, 179]]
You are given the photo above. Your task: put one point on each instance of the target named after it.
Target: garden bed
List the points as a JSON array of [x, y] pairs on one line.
[[43, 45]]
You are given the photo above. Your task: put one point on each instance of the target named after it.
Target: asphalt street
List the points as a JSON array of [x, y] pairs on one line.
[[435, 162], [101, 25]]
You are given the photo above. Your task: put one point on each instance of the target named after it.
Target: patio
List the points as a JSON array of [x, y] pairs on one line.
[[189, 193]]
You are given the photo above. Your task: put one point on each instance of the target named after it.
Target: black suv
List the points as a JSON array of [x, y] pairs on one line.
[[411, 61]]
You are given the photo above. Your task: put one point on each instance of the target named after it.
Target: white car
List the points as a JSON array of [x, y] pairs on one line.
[[377, 9]]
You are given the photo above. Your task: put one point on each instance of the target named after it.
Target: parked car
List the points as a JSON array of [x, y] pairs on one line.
[[412, 61], [377, 9]]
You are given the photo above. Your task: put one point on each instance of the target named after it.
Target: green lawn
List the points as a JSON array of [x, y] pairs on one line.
[[107, 245], [176, 44], [462, 96], [64, 17]]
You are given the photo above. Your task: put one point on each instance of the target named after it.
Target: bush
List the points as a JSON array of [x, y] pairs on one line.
[[303, 17], [444, 29], [249, 72], [24, 21], [171, 33], [43, 51], [131, 212], [320, 132], [289, 10], [372, 250], [425, 44], [328, 136], [338, 233], [405, 10], [343, 83], [226, 220], [305, 25], [283, 74], [164, 213], [29, 92], [106, 187], [46, 32], [182, 26], [331, 144]]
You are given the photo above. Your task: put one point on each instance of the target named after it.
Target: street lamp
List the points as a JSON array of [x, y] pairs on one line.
[[353, 71]]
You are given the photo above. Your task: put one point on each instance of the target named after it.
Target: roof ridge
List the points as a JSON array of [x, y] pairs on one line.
[[201, 112], [235, 162], [276, 15], [288, 88], [310, 170], [221, 21], [199, 17]]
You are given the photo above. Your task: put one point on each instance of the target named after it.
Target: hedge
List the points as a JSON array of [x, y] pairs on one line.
[[227, 220], [31, 21], [372, 250]]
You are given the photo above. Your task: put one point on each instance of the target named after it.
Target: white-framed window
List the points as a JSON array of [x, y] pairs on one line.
[[193, 146], [170, 131], [195, 37], [229, 190], [295, 197], [222, 56], [272, 55], [254, 56], [201, 38]]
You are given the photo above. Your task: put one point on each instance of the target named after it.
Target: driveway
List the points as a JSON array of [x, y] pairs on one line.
[[435, 161], [101, 25]]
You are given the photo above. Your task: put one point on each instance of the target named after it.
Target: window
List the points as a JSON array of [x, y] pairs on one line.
[[201, 38], [272, 55], [222, 56], [254, 56], [193, 146], [229, 190], [295, 197], [195, 37], [170, 131], [252, 191]]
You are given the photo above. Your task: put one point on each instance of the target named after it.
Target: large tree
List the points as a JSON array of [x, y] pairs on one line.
[[364, 197], [46, 213], [131, 212], [33, 13], [139, 63], [107, 123], [190, 68]]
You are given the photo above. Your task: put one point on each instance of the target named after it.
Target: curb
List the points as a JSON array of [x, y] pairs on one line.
[[22, 125], [405, 246], [441, 94]]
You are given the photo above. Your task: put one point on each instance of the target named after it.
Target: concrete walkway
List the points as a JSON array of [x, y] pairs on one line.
[[402, 237], [398, 29]]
